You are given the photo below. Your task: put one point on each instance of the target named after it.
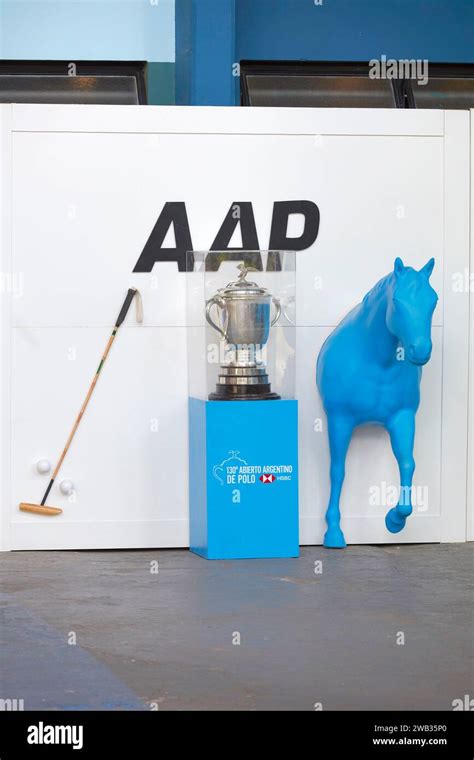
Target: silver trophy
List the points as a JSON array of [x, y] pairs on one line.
[[244, 322]]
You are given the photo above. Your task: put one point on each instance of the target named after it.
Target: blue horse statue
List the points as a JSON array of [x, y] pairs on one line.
[[369, 371]]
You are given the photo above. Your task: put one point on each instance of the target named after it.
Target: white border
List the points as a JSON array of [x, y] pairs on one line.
[[5, 325], [227, 120], [455, 328]]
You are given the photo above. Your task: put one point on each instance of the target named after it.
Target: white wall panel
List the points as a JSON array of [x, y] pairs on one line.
[[86, 188], [128, 461], [470, 460]]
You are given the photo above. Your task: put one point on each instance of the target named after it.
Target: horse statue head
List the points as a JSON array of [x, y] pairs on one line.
[[410, 310]]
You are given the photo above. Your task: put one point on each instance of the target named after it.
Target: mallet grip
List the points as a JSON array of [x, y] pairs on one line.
[[126, 305]]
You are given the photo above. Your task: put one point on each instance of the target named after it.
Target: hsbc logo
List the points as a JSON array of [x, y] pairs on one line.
[[174, 216], [267, 478]]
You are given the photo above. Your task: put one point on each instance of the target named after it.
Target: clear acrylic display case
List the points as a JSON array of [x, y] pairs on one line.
[[241, 316]]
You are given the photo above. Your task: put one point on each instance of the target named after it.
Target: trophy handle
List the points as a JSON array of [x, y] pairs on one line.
[[277, 312], [216, 301]]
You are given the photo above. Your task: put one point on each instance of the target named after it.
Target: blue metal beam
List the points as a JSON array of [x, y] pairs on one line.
[[205, 45]]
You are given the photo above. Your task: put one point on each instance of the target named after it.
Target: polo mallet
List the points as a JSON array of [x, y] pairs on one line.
[[41, 509]]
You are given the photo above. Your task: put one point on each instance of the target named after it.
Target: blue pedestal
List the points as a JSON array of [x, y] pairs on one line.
[[243, 471]]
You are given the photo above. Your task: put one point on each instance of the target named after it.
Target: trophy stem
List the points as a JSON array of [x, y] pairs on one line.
[[243, 379], [245, 355]]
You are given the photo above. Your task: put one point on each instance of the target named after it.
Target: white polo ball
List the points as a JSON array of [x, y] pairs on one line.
[[43, 466], [66, 487]]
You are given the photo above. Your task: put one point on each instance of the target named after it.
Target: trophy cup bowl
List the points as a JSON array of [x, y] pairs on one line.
[[244, 322]]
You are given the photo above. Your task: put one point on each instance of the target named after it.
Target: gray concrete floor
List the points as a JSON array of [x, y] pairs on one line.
[[170, 638]]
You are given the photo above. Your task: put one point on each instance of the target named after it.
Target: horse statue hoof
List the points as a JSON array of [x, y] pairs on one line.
[[394, 522], [334, 539]]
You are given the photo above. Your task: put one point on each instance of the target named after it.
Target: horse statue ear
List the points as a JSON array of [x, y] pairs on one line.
[[398, 266], [428, 268]]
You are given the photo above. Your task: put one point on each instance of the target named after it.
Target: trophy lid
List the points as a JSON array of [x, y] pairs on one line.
[[242, 286]]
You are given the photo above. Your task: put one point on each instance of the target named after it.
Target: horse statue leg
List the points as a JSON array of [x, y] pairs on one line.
[[340, 433], [402, 435]]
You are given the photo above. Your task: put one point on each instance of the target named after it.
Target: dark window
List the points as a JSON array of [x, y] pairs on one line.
[[449, 85], [348, 85], [116, 82], [317, 85]]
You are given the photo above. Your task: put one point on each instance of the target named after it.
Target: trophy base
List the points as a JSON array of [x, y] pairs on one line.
[[225, 394], [243, 383]]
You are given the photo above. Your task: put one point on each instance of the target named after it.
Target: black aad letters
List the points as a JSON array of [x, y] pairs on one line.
[[240, 213]]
